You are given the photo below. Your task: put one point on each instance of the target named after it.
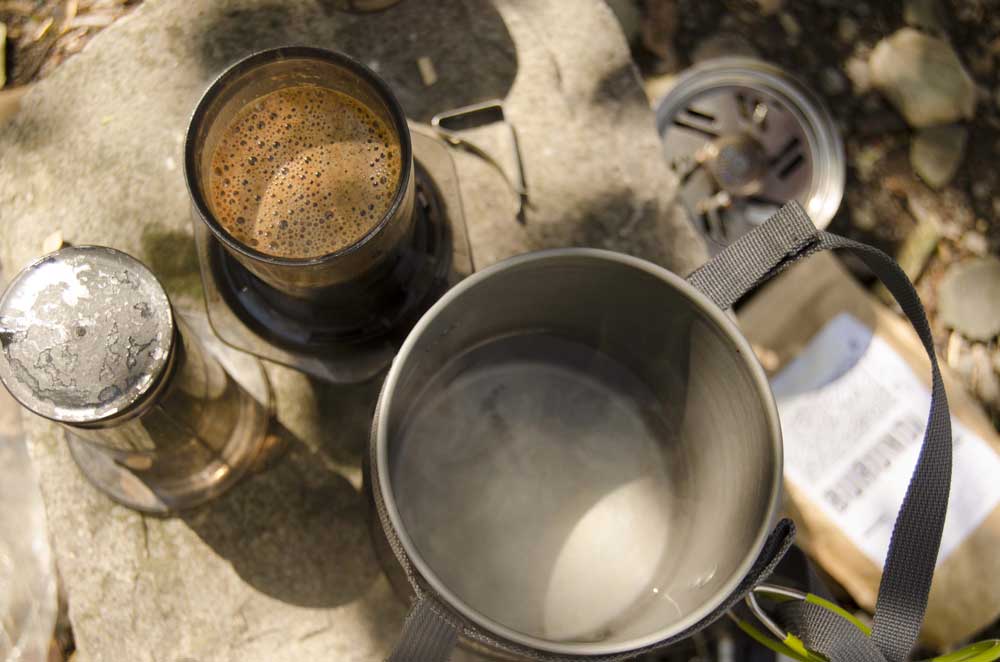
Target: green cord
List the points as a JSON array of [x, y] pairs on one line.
[[982, 651]]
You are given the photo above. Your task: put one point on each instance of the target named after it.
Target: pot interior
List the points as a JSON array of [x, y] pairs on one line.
[[581, 458]]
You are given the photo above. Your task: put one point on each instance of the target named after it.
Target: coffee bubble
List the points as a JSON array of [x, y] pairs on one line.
[[313, 147]]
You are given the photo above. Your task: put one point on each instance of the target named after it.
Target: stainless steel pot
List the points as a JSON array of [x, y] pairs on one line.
[[576, 453]]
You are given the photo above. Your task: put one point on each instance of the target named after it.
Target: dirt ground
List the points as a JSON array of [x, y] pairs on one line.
[[826, 44]]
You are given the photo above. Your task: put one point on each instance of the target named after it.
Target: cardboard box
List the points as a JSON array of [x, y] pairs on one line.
[[781, 321]]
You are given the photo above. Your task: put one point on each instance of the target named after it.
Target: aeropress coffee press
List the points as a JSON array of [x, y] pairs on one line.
[[339, 316], [158, 414]]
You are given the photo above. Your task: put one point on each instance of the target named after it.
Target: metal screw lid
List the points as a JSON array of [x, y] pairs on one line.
[[85, 333]]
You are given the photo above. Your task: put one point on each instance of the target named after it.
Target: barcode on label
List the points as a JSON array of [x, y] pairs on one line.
[[863, 472]]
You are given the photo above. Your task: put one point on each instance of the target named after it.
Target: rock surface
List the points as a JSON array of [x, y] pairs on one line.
[[936, 153], [969, 298], [280, 569], [923, 77]]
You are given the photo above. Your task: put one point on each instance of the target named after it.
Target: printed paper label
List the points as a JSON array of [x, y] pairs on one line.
[[853, 415]]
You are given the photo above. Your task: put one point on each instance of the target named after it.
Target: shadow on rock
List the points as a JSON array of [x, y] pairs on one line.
[[171, 256], [466, 40], [296, 532], [621, 86]]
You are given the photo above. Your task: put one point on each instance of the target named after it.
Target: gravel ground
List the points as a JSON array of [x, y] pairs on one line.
[[828, 45]]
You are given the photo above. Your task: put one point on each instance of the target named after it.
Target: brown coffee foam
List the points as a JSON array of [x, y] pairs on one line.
[[303, 171]]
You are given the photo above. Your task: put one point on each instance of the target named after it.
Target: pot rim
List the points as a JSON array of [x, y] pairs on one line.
[[740, 344]]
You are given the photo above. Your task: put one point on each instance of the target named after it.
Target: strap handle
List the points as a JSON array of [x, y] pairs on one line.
[[789, 236], [428, 635]]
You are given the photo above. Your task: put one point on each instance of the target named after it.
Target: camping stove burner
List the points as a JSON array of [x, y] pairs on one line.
[[738, 163], [744, 138], [253, 316]]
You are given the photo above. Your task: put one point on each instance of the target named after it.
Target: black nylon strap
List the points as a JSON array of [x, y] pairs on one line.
[[828, 633], [427, 636], [755, 256], [422, 642], [916, 536]]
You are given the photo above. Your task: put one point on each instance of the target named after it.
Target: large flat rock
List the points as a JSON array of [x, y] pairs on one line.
[[280, 568]]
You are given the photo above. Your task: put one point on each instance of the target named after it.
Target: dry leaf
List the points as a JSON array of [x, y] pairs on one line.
[[427, 72], [69, 15], [3, 56], [46, 24], [92, 21]]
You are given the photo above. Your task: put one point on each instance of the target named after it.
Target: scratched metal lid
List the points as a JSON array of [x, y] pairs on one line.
[[85, 333]]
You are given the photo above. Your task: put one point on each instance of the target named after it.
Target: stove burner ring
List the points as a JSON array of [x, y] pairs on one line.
[[421, 276], [743, 138]]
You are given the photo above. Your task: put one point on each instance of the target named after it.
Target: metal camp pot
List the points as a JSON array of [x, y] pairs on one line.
[[576, 452]]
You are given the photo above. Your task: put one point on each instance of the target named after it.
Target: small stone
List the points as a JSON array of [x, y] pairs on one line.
[[916, 249], [925, 15], [833, 82], [53, 242], [865, 158], [863, 216], [983, 380], [923, 77], [969, 298], [926, 207], [958, 355], [860, 74], [975, 243], [769, 7], [790, 26], [936, 153], [847, 29]]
